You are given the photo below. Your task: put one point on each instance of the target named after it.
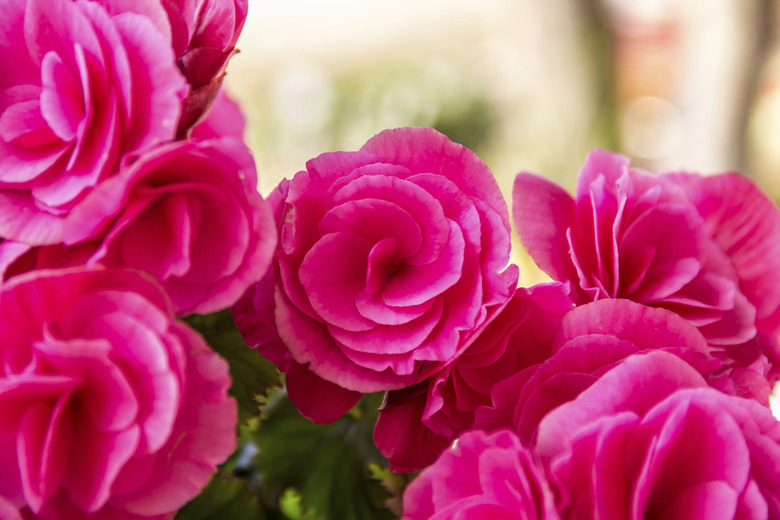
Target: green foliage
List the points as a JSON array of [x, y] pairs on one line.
[[223, 498], [253, 375], [303, 470], [326, 465], [292, 508]]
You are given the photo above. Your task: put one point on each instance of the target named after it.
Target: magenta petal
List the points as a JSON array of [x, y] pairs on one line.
[[91, 477], [674, 429], [375, 220], [166, 224], [426, 211], [646, 327], [752, 503], [41, 466], [611, 481], [382, 264], [333, 274], [203, 436], [415, 284], [424, 150], [10, 252], [483, 476], [375, 309], [253, 314], [328, 170], [600, 163], [398, 339], [225, 118], [61, 100], [20, 220], [466, 211], [105, 392], [401, 436], [613, 393], [746, 225], [705, 501], [674, 232], [542, 213], [317, 399], [8, 511], [310, 342], [751, 384], [155, 108], [23, 127]]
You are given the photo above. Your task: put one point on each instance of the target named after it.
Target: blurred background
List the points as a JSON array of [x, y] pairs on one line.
[[527, 84]]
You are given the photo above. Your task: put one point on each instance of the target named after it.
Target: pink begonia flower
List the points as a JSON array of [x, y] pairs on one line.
[[417, 423], [388, 259], [484, 477], [650, 440], [705, 248], [188, 213], [80, 88], [111, 408]]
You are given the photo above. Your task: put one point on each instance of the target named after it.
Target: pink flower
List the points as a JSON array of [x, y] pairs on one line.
[[417, 423], [701, 247], [484, 477], [388, 259], [189, 214], [650, 440], [110, 407], [80, 88]]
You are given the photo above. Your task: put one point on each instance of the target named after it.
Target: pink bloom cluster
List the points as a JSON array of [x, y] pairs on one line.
[[634, 385], [91, 172], [648, 398], [127, 199]]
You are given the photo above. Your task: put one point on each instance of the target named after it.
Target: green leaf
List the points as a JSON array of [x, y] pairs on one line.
[[223, 498], [253, 375], [327, 465]]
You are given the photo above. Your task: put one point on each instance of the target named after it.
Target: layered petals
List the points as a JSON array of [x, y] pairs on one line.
[[484, 476], [388, 260], [107, 400], [84, 85], [649, 439], [189, 214], [701, 247], [518, 338]]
